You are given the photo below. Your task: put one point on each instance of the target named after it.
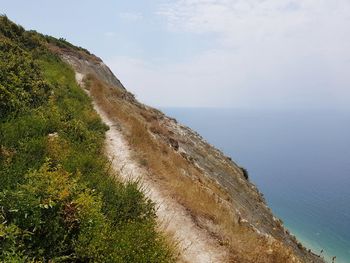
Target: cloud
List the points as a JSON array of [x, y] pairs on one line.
[[172, 85], [109, 34], [242, 22], [265, 53], [132, 17], [217, 79]]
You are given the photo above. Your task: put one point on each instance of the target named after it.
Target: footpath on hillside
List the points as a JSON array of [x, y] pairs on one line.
[[194, 243]]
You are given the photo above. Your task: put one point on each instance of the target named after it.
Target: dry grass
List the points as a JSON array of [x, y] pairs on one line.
[[204, 199]]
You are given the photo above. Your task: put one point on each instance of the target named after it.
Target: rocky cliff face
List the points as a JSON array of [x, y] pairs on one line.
[[212, 187]]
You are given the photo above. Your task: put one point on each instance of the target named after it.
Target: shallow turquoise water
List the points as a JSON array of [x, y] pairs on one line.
[[299, 160]]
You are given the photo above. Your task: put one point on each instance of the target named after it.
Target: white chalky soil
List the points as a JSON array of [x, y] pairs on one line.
[[195, 243]]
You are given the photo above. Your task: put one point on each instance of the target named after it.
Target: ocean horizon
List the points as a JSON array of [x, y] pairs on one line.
[[298, 159]]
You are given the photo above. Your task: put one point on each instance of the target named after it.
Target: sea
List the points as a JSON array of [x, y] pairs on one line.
[[300, 161]]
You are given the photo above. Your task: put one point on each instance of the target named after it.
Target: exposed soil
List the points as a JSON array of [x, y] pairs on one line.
[[195, 244], [204, 201]]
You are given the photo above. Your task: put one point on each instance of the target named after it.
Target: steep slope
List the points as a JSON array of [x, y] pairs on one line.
[[195, 244], [177, 163], [59, 201]]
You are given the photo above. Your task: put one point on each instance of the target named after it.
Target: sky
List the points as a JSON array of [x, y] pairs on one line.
[[261, 54]]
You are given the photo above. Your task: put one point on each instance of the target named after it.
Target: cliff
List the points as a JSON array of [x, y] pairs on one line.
[[89, 174], [211, 187]]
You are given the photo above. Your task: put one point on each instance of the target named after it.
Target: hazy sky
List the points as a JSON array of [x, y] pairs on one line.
[[210, 53]]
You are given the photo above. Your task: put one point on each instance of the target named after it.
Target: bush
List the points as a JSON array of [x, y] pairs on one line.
[[245, 173], [21, 85], [58, 202]]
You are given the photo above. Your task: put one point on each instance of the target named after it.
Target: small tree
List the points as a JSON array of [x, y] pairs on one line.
[[245, 173]]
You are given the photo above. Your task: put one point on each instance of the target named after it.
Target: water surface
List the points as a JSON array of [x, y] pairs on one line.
[[300, 160]]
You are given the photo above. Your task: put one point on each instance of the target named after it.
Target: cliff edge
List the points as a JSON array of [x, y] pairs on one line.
[[206, 202]]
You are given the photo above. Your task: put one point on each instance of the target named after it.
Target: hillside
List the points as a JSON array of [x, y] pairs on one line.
[[70, 182], [59, 201]]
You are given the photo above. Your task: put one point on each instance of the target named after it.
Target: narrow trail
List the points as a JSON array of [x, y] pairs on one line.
[[195, 244]]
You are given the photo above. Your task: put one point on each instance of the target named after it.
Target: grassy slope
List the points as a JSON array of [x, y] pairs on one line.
[[58, 201], [197, 195]]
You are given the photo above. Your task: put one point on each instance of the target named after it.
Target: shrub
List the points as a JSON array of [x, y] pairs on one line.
[[21, 85], [245, 173], [58, 202]]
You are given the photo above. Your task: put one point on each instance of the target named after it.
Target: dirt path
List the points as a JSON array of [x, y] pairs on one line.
[[196, 244]]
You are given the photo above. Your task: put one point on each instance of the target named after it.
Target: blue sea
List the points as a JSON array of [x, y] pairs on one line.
[[300, 160]]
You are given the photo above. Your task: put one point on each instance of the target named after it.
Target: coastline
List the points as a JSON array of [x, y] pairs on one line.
[[293, 172], [315, 248]]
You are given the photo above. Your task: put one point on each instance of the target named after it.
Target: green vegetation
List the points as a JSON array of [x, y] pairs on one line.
[[58, 201], [245, 173]]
